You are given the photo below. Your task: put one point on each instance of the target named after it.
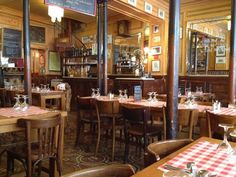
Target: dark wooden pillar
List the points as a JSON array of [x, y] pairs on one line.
[[26, 41], [105, 47], [232, 59], [99, 44], [172, 70]]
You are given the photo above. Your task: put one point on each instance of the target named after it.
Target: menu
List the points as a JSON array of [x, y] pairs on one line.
[[137, 93], [11, 43], [83, 6]]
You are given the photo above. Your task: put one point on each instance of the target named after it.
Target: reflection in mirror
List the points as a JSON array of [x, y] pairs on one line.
[[208, 45], [127, 55]]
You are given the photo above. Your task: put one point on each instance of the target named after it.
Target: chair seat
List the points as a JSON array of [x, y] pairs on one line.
[[151, 130]]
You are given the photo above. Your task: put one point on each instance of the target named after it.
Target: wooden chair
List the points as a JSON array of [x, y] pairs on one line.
[[47, 144], [116, 170], [108, 113], [213, 121], [160, 149], [86, 112], [2, 97], [138, 124], [188, 118]]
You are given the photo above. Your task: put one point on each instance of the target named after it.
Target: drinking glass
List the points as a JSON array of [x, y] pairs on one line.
[[17, 105], [98, 92], [149, 96], [24, 105], [93, 93], [154, 98], [120, 94], [125, 94], [224, 146], [179, 92]]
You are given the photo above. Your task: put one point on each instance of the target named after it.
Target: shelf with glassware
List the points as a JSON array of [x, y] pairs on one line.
[[78, 63]]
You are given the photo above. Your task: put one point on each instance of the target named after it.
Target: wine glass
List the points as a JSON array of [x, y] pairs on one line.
[[93, 93], [150, 96], [24, 105], [224, 146], [120, 94], [17, 105], [98, 92], [125, 94], [154, 98]]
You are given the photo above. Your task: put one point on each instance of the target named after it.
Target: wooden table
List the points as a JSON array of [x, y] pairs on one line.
[[9, 118], [153, 171], [43, 96]]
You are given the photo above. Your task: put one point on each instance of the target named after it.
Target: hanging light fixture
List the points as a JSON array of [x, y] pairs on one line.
[[55, 12]]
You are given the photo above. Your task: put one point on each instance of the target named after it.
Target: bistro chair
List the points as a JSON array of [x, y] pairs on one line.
[[160, 149], [2, 97], [114, 170], [213, 121], [109, 115], [45, 145], [86, 112], [138, 124], [188, 119]]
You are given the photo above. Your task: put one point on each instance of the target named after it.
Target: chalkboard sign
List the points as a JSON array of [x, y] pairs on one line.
[[84, 6], [37, 34], [137, 93], [11, 43]]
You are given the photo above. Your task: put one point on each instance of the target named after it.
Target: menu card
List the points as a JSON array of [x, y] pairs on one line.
[[137, 93]]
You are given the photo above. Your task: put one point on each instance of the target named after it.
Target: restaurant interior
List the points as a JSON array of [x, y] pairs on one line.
[[117, 88]]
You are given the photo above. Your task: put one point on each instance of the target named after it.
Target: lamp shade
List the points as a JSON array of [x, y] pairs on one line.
[[55, 12]]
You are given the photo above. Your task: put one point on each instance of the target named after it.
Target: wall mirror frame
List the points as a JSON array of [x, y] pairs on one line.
[[206, 41]]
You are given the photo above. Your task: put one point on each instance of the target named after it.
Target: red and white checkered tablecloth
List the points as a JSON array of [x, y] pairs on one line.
[[32, 110], [206, 157], [226, 111]]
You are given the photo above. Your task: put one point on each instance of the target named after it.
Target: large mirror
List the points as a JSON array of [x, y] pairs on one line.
[[208, 45], [127, 54]]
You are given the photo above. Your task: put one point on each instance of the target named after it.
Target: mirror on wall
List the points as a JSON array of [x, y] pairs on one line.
[[208, 45], [127, 54]]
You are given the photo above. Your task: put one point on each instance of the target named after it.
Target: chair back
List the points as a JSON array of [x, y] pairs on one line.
[[136, 115], [107, 107], [86, 107], [160, 149], [2, 97], [47, 140], [114, 170], [188, 118], [213, 121]]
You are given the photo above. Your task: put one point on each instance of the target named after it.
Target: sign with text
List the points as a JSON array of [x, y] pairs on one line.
[[137, 93], [87, 7]]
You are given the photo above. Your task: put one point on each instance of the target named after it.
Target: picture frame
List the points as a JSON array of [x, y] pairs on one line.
[[220, 60], [161, 13], [156, 50], [220, 50], [156, 67], [132, 2], [54, 61], [155, 28], [148, 7]]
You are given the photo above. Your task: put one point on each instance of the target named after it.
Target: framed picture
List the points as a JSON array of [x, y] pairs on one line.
[[54, 61], [220, 60], [161, 13], [157, 39], [220, 50], [155, 65], [155, 28], [132, 2], [148, 7], [156, 50]]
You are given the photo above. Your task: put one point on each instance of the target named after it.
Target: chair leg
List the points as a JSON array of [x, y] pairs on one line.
[[10, 165], [113, 139], [98, 138], [51, 167], [78, 133], [126, 155]]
